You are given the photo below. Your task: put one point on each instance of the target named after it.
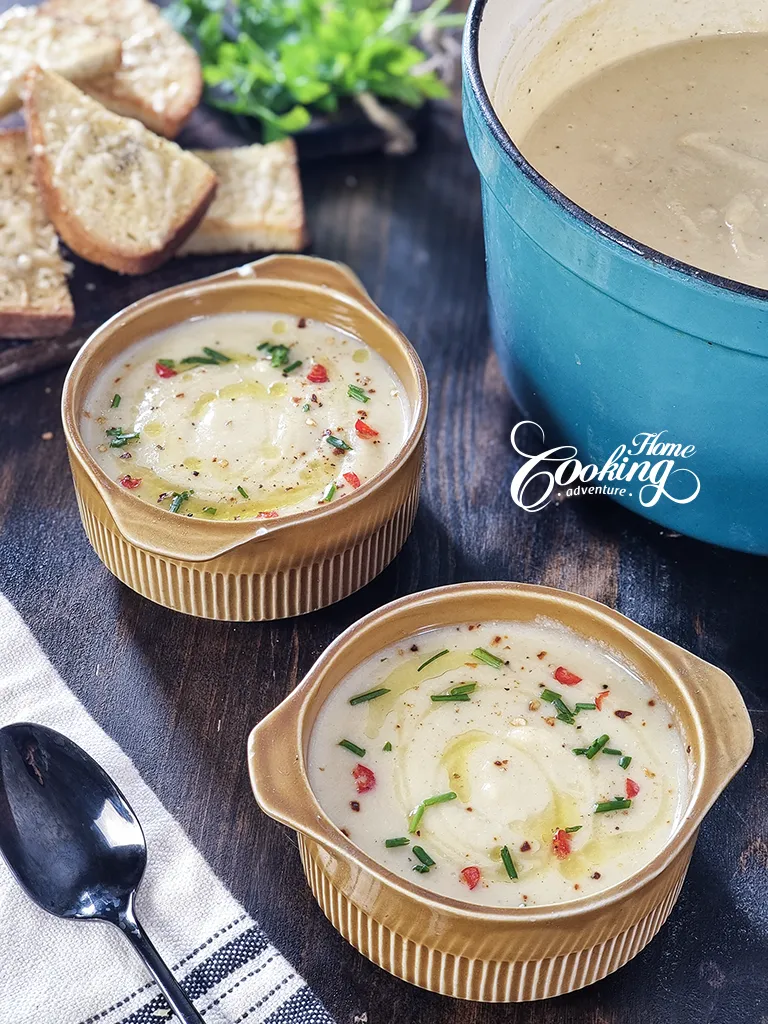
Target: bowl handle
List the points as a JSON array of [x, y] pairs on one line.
[[722, 713], [311, 270], [278, 774]]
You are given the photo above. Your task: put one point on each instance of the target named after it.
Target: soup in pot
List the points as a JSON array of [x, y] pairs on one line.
[[509, 764], [670, 146]]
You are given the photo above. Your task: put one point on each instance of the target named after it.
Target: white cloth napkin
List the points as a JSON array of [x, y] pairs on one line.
[[70, 972]]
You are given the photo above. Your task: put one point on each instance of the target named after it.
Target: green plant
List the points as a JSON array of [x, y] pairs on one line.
[[283, 60]]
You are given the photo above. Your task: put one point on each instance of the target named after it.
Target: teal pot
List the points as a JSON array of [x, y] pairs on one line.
[[601, 338]]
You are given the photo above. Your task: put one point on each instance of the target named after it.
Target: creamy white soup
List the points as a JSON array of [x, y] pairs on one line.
[[245, 415], [501, 763], [670, 146]]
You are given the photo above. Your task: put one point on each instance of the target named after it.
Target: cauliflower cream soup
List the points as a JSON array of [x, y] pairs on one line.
[[507, 764], [245, 416], [670, 146]]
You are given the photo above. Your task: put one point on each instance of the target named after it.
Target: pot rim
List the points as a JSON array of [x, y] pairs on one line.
[[471, 60], [242, 531], [317, 826]]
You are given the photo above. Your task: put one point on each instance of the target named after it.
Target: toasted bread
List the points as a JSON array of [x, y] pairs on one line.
[[159, 81], [116, 193], [258, 205], [28, 37], [34, 298]]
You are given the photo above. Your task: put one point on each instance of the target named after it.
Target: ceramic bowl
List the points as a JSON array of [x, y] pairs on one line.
[[251, 570], [478, 952], [601, 337]]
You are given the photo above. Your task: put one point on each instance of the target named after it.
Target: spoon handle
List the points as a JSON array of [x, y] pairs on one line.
[[177, 1000]]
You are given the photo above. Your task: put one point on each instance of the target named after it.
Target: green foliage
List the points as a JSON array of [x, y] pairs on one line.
[[283, 60]]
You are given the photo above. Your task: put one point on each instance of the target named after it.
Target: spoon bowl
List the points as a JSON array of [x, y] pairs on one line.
[[72, 841]]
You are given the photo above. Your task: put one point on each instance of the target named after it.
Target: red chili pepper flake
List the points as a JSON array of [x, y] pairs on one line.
[[541, 655], [562, 675], [131, 482], [353, 479], [271, 514], [364, 778], [364, 430], [164, 371], [632, 789], [354, 804], [302, 322], [525, 847], [596, 875], [600, 698], [622, 714], [561, 844], [318, 374], [470, 876]]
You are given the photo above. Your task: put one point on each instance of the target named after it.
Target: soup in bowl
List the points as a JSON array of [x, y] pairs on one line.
[[497, 787]]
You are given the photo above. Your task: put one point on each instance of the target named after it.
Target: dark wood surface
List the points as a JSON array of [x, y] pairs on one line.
[[181, 695]]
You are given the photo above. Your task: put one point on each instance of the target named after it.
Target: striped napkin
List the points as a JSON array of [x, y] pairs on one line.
[[71, 972]]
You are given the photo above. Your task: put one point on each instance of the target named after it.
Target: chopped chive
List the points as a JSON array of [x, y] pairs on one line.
[[625, 761], [564, 712], [279, 355], [421, 853], [352, 747], [170, 363], [263, 345], [242, 491], [113, 431], [572, 828], [336, 442], [199, 361], [464, 688], [441, 798], [399, 841], [415, 818], [490, 659], [421, 868], [178, 500], [579, 750], [506, 858], [596, 746], [115, 401], [329, 491], [120, 440], [215, 354], [612, 750], [387, 746], [586, 707], [293, 366], [418, 812], [305, 407], [430, 660], [210, 510], [438, 697], [619, 804], [368, 695], [357, 393]]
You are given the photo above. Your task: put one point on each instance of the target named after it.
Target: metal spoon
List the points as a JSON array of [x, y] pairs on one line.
[[73, 843]]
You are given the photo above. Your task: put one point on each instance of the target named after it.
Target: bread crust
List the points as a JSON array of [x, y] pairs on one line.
[[27, 321], [70, 228], [118, 92]]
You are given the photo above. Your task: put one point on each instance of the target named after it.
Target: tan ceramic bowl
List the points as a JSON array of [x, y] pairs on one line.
[[251, 570], [485, 953]]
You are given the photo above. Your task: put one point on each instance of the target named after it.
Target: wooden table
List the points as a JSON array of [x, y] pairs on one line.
[[181, 695]]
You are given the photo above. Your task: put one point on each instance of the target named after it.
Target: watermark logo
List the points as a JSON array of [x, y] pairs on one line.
[[649, 467]]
